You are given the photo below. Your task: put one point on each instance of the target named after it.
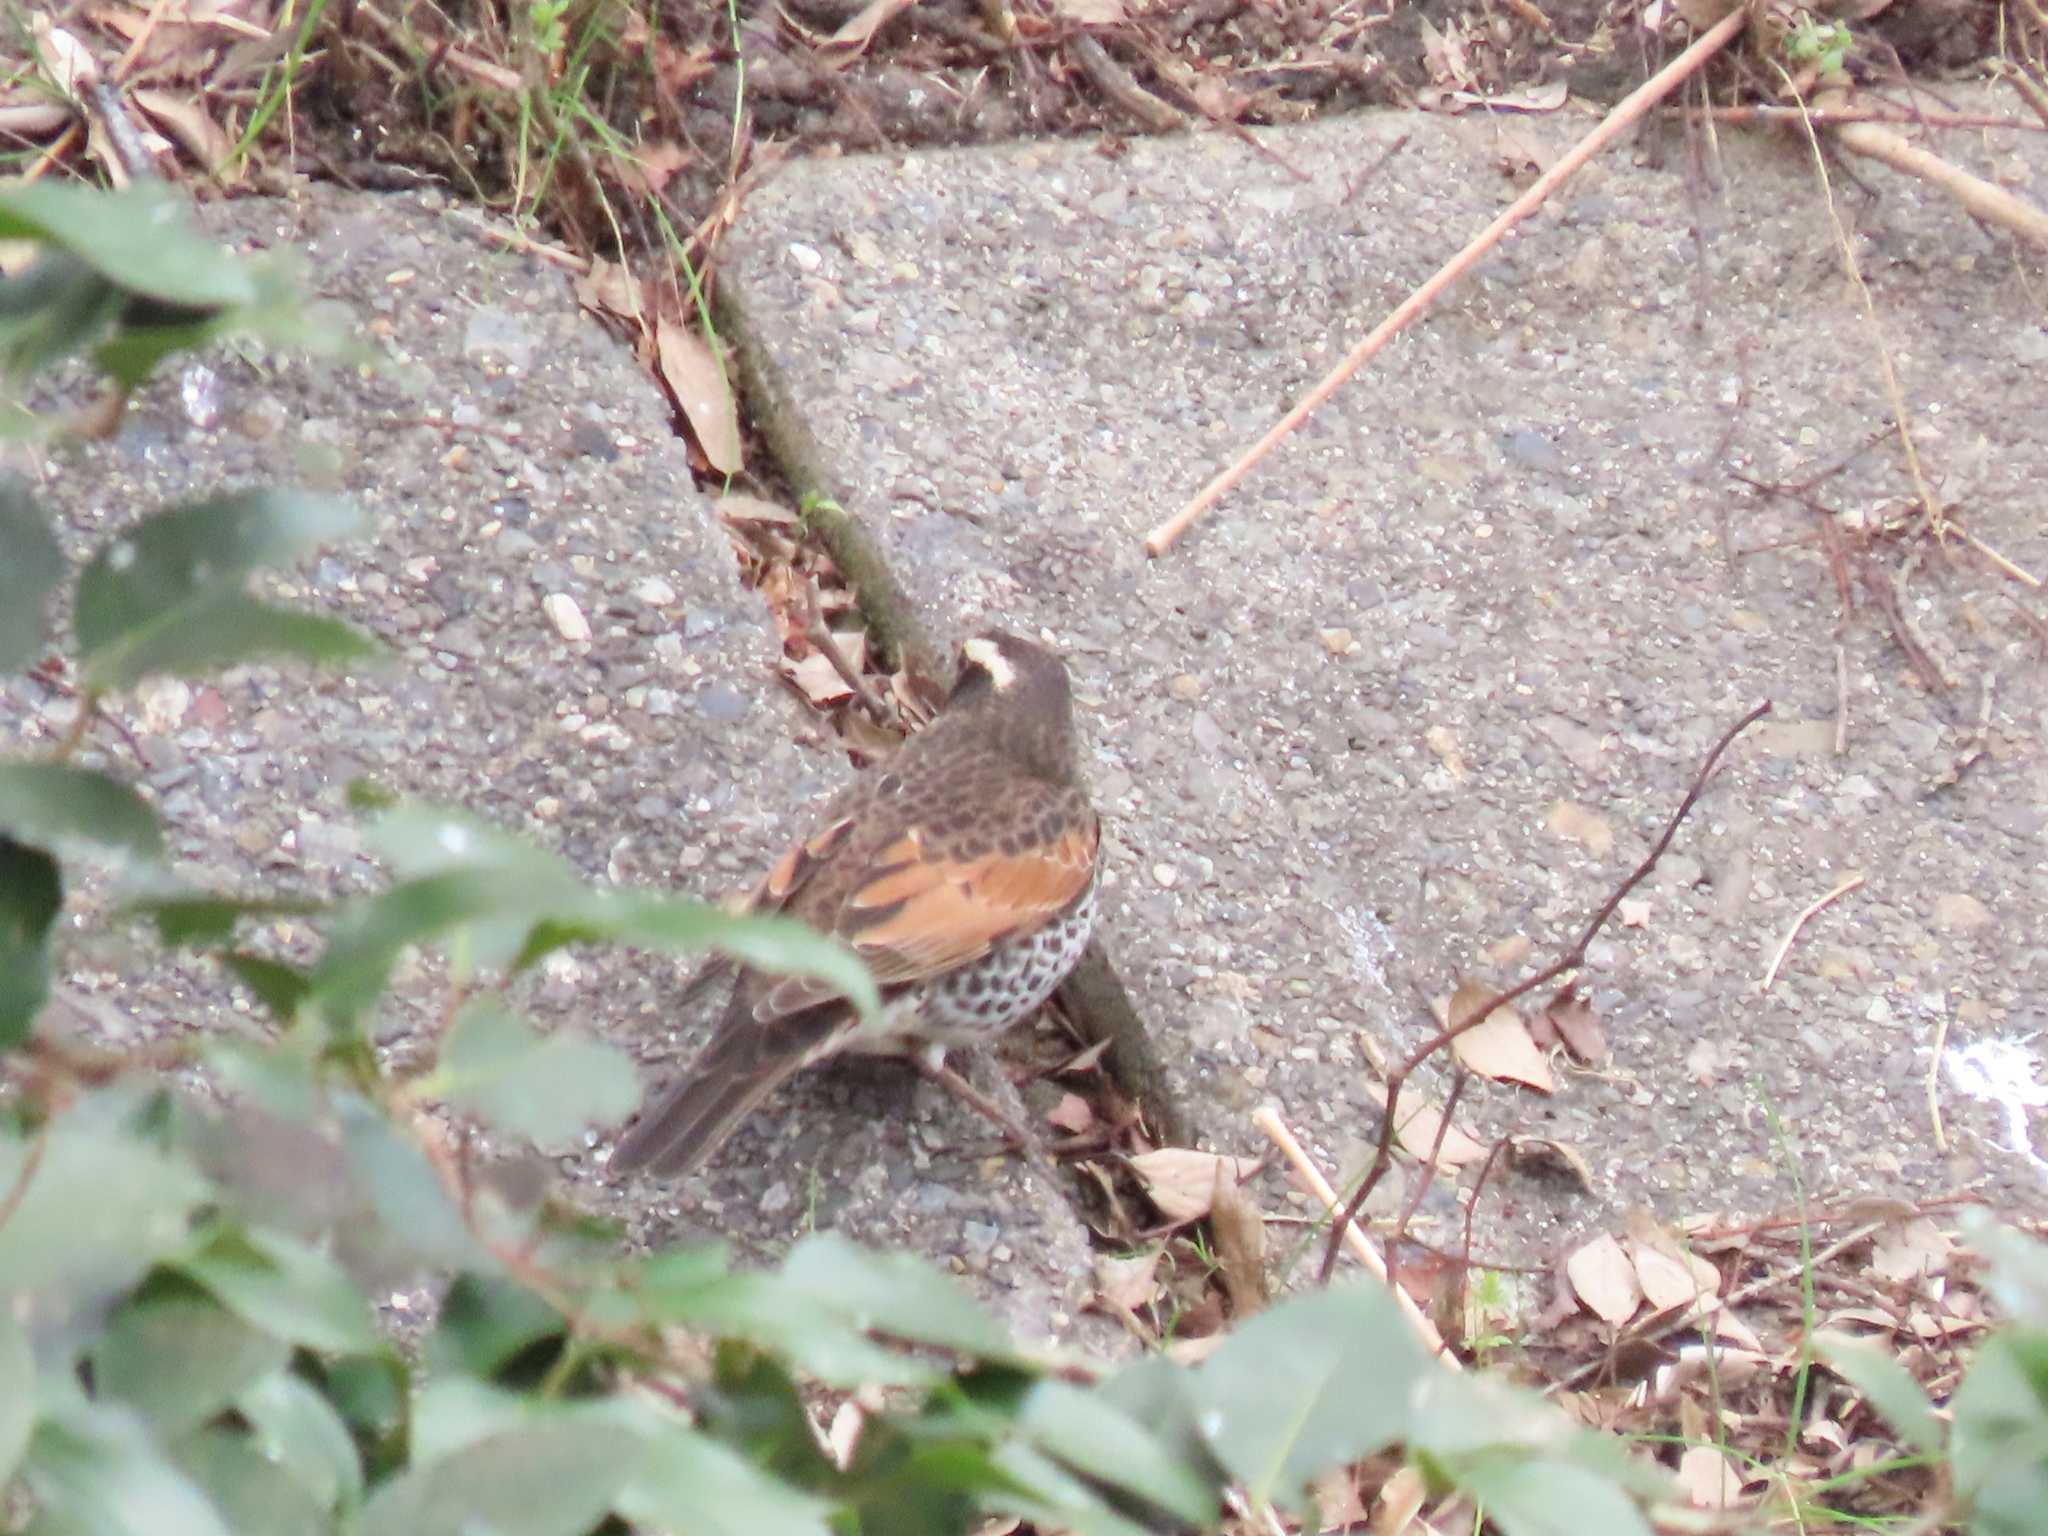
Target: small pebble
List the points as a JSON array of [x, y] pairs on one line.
[[655, 592], [1166, 875], [567, 618]]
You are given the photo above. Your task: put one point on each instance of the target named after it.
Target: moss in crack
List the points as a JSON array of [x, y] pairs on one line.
[[895, 632]]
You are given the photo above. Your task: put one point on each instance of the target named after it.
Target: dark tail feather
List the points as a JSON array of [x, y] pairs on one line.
[[692, 1117]]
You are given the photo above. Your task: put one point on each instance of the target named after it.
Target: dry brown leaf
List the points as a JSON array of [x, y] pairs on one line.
[[1547, 96], [1576, 1025], [819, 680], [1338, 1505], [694, 377], [1179, 1179], [1571, 820], [1542, 1154], [609, 288], [190, 124], [1910, 1251], [864, 738], [1415, 1127], [1603, 1278], [653, 166], [1497, 1047], [739, 508], [1240, 1233], [1401, 1499], [1667, 1282], [65, 62], [33, 119], [860, 28], [1087, 1059], [1130, 1283], [1072, 1114], [1709, 1479]]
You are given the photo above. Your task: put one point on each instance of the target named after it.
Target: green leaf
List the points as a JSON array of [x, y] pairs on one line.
[[300, 1430], [255, 1495], [54, 310], [96, 1469], [1161, 1395], [416, 839], [1313, 1383], [754, 1407], [169, 590], [56, 806], [409, 1200], [373, 1395], [17, 1395], [370, 935], [1888, 1385], [280, 1080], [32, 569], [1528, 1495], [31, 894], [547, 1088], [1092, 1435], [205, 920], [141, 239], [1999, 1447], [765, 1311], [178, 1358], [283, 1286], [2019, 1267], [280, 988], [95, 1213], [780, 945], [486, 1322], [693, 1484], [898, 1294], [488, 1466], [224, 630], [1020, 1480]]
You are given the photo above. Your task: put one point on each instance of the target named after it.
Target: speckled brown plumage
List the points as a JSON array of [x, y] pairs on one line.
[[963, 872]]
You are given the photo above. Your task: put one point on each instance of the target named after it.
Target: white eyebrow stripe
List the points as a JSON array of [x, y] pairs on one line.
[[987, 655]]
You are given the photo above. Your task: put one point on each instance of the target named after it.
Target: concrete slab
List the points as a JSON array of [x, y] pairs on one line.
[[509, 451], [1011, 363]]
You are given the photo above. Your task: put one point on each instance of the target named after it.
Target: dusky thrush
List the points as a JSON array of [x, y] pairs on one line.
[[962, 869]]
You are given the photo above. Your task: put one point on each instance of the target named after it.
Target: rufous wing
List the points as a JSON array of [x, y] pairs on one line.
[[917, 913]]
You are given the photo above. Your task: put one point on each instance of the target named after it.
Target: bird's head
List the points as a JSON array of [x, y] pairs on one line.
[[1019, 689]]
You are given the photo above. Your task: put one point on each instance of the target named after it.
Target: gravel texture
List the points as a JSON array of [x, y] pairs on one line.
[[1510, 568], [574, 659]]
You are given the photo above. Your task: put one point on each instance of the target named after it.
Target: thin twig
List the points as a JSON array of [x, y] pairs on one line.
[[1644, 97], [1830, 116], [821, 637], [1894, 394], [1573, 957], [1841, 701], [2016, 572], [1274, 1129], [24, 1175], [1980, 198], [1934, 1083], [1115, 82], [1799, 922]]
